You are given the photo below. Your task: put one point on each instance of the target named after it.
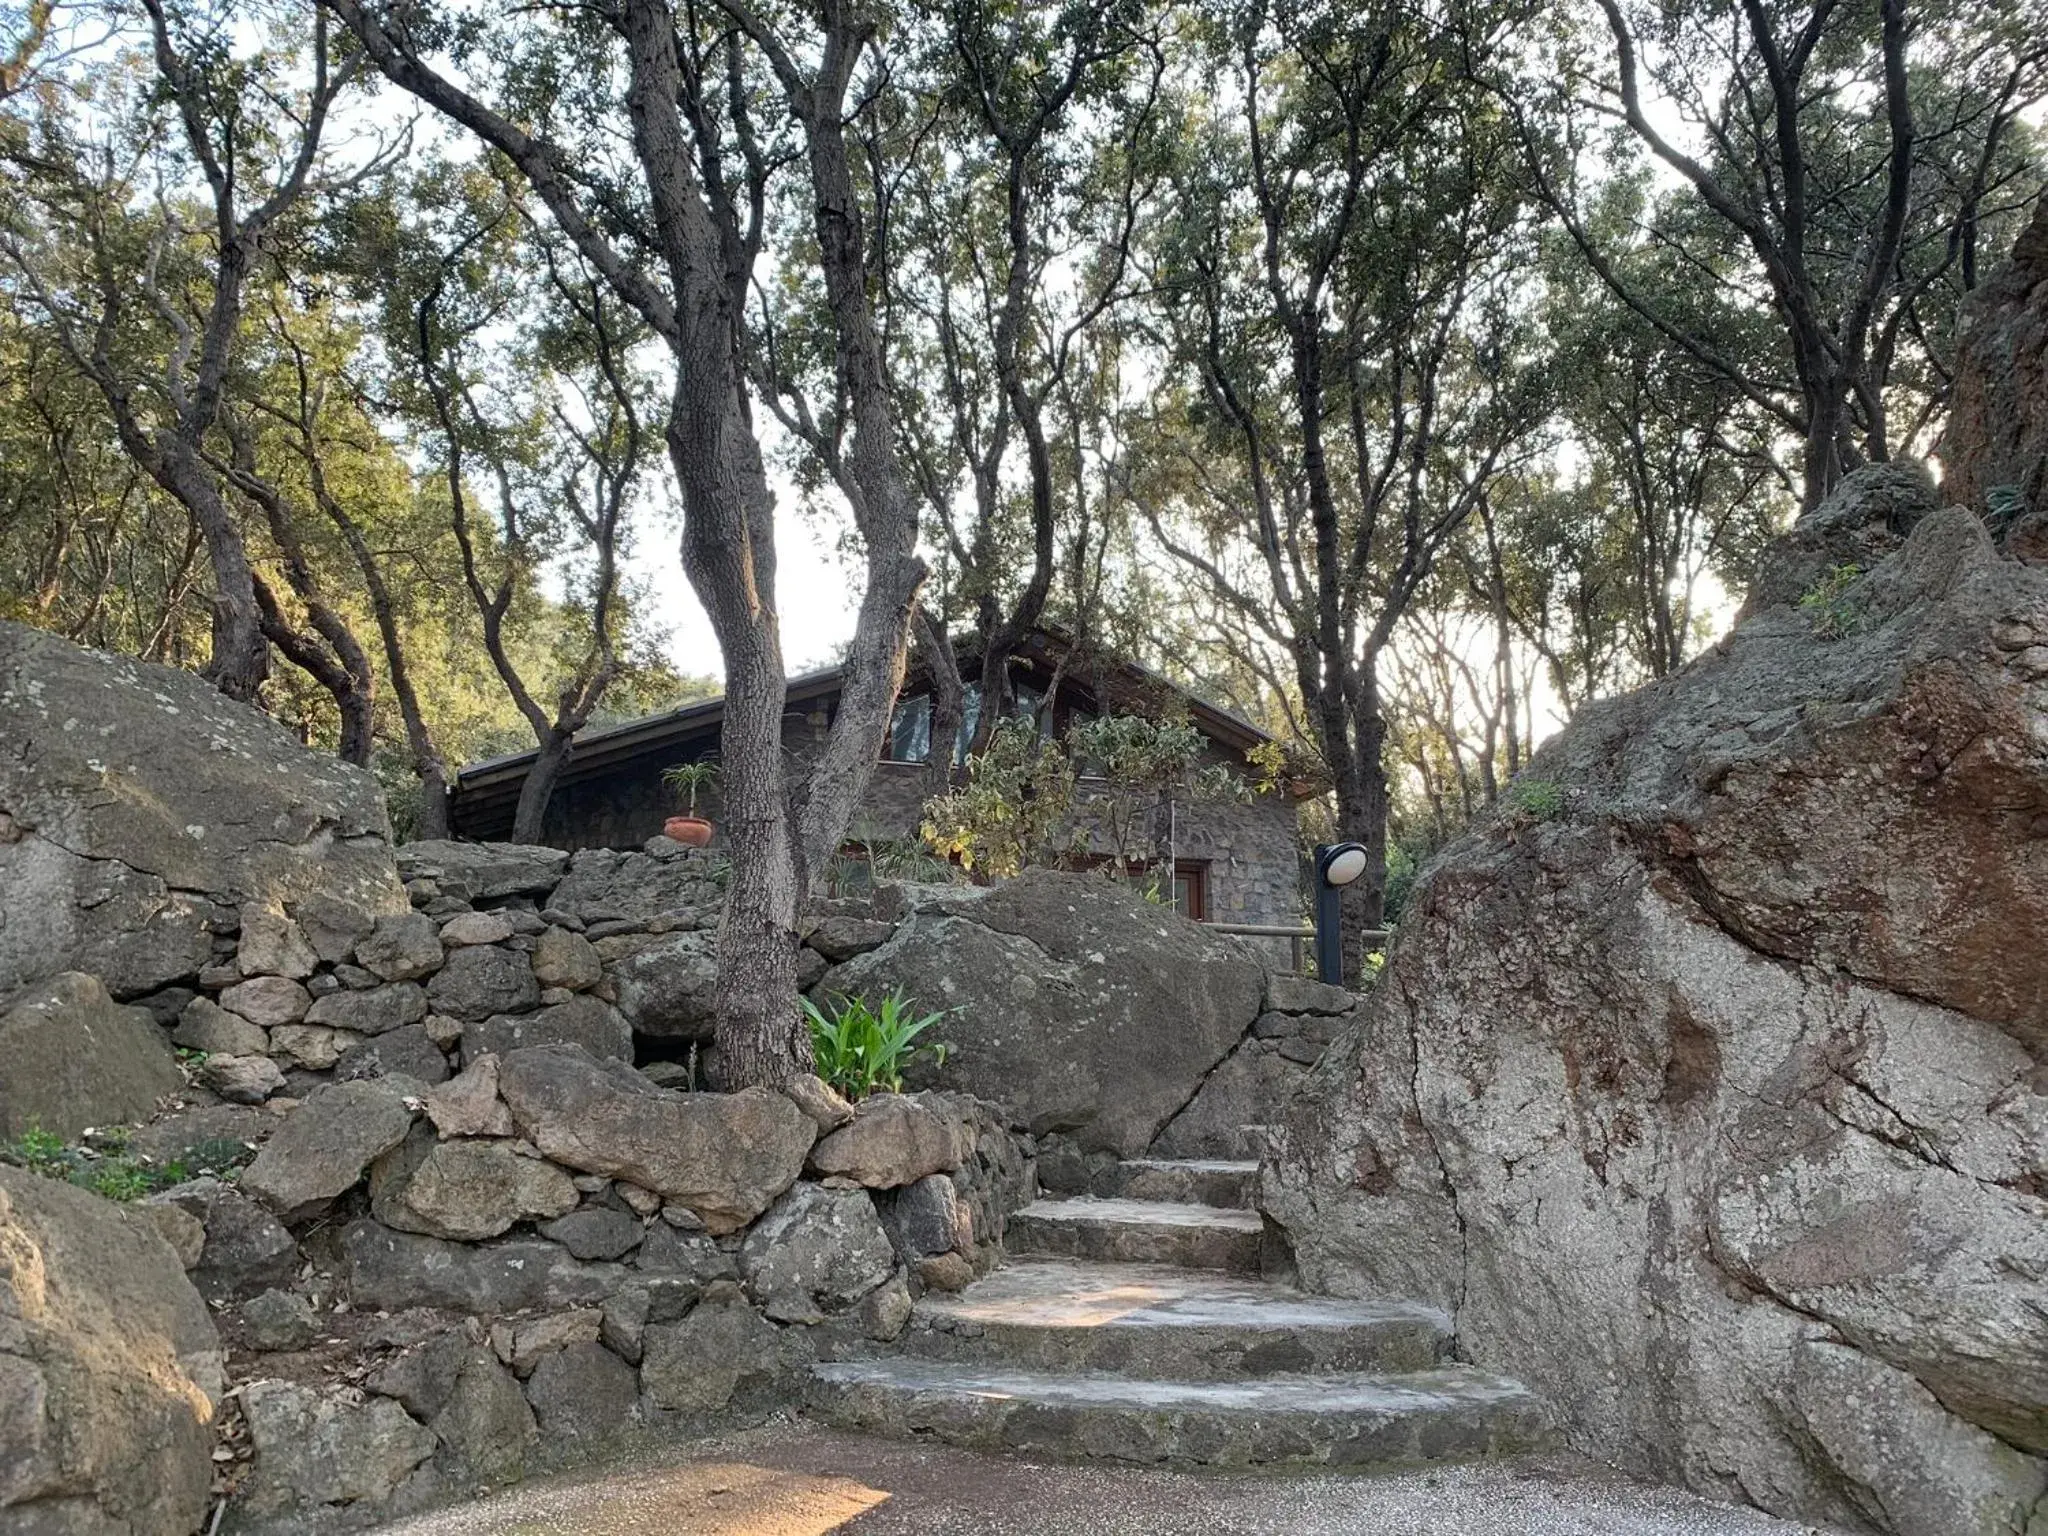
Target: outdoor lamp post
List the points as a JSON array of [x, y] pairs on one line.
[[1336, 866]]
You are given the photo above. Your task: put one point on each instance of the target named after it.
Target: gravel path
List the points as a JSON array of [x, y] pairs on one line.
[[793, 1479]]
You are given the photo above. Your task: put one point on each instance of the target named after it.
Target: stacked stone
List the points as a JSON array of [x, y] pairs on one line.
[[475, 1239], [546, 1253]]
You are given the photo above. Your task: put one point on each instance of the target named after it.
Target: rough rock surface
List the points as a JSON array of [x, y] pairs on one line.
[[464, 1189], [140, 809], [583, 1393], [725, 1156], [722, 1355], [1995, 447], [1070, 1002], [109, 1369], [402, 1269], [401, 947], [665, 982], [816, 1251], [316, 1447], [893, 1139], [603, 883], [324, 1146], [478, 982], [468, 1105], [586, 1021], [70, 1057], [372, 1011], [484, 871], [1713, 1105], [245, 1248]]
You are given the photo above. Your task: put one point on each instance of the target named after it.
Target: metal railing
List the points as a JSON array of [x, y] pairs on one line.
[[1372, 937]]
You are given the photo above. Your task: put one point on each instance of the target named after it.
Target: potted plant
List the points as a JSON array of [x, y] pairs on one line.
[[689, 780]]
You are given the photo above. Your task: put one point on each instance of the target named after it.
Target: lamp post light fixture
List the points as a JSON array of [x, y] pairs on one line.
[[1336, 866]]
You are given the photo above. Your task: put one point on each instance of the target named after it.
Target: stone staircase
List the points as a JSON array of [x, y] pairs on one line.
[[1133, 1326]]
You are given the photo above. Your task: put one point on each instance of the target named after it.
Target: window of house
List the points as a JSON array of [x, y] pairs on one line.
[[910, 729], [1190, 881]]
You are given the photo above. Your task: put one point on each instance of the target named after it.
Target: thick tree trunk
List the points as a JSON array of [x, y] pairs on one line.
[[728, 554], [241, 655], [529, 818]]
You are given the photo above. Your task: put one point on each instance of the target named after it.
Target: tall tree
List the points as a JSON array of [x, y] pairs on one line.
[[1016, 238], [1853, 154], [672, 222], [255, 136], [1339, 289]]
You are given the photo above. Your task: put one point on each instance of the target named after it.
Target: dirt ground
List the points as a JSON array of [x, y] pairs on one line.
[[793, 1479]]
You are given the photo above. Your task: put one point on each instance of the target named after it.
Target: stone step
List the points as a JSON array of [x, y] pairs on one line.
[[1138, 1232], [1449, 1414], [1156, 1321], [1191, 1181]]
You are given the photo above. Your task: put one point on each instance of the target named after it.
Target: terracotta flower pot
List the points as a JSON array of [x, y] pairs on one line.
[[690, 831]]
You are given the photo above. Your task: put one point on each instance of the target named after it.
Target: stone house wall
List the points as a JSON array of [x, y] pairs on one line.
[[1251, 851]]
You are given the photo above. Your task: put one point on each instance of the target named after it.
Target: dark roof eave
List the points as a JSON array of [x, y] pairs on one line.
[[595, 749]]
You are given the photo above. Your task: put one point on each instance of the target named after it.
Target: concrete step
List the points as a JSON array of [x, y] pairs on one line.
[[1155, 1321], [1192, 1181], [1449, 1414], [1138, 1232]]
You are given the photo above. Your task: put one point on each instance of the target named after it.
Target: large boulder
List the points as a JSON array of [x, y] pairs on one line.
[[1712, 1104], [141, 810], [72, 1057], [109, 1369], [1994, 451], [1076, 1006], [724, 1155], [484, 871]]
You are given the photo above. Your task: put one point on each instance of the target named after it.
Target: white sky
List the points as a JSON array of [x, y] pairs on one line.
[[818, 588]]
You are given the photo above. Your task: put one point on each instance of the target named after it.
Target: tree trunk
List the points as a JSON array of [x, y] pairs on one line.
[[948, 700], [728, 554], [241, 655], [529, 819], [427, 762]]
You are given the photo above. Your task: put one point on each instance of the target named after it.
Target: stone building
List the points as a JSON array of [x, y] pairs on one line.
[[1235, 862]]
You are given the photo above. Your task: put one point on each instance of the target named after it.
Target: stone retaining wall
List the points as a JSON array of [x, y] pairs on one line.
[[476, 1240]]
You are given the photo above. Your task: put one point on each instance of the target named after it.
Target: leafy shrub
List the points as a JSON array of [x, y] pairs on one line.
[[106, 1165], [1537, 799], [1829, 606], [1012, 811], [862, 1050]]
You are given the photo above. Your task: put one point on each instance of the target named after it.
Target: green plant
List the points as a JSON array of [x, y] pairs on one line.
[[1011, 812], [689, 780], [862, 1049], [104, 1163], [1537, 799], [37, 1150], [1829, 605], [2004, 506]]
